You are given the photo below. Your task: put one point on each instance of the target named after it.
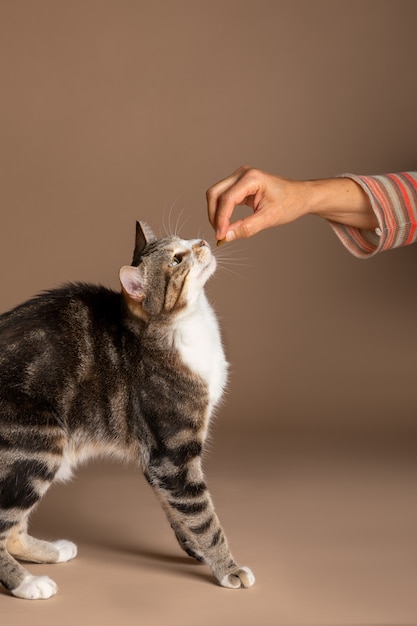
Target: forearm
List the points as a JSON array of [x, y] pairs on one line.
[[340, 200]]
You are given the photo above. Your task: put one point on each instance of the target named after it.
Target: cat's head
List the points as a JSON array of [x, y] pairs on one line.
[[167, 275]]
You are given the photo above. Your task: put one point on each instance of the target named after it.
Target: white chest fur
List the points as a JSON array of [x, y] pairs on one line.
[[197, 339]]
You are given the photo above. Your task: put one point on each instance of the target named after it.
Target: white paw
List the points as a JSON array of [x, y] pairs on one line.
[[239, 577], [35, 588], [66, 549]]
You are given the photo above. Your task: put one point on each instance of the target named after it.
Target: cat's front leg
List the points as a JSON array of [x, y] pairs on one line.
[[189, 508], [186, 544]]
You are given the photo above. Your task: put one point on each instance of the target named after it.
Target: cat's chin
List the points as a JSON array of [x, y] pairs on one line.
[[208, 269]]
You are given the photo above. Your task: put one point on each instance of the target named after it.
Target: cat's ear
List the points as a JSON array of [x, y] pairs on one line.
[[133, 282], [144, 236]]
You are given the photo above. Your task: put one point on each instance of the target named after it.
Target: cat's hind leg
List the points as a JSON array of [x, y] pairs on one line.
[[16, 578], [23, 482], [26, 548]]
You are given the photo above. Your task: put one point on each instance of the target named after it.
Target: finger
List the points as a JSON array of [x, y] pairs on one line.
[[241, 192], [246, 227], [216, 190]]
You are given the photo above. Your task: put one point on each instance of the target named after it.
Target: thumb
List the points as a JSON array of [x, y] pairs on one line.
[[245, 228]]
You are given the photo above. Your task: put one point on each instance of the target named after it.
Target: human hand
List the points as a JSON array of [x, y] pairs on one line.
[[274, 201]]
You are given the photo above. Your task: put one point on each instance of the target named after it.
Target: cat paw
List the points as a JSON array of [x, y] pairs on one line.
[[66, 550], [35, 588], [239, 577]]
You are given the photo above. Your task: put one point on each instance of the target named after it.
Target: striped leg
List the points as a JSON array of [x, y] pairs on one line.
[[26, 548], [23, 482], [12, 575], [20, 582], [190, 511]]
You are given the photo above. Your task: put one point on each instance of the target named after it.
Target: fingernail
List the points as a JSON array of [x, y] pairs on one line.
[[230, 236]]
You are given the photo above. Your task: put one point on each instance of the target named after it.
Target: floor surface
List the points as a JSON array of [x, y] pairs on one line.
[[328, 525]]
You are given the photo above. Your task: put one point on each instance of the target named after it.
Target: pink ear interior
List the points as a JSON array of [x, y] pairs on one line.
[[132, 282]]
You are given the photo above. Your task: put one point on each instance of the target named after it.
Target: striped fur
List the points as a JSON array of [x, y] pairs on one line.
[[87, 371]]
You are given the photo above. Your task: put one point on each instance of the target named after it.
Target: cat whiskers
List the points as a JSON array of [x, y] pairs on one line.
[[225, 258]]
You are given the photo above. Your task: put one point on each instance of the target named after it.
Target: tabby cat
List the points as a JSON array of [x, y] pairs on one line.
[[87, 371]]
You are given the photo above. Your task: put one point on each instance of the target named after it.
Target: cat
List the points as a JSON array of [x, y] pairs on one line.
[[136, 373]]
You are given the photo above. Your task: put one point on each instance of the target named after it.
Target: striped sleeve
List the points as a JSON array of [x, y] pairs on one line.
[[394, 200]]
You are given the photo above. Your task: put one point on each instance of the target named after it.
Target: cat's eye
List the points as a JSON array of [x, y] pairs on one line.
[[176, 260]]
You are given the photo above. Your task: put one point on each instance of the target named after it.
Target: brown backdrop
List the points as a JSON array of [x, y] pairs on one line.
[[117, 111], [113, 111]]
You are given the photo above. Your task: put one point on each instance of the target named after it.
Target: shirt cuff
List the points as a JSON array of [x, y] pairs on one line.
[[393, 198]]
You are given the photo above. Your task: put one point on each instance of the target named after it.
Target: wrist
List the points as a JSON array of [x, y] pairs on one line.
[[341, 200]]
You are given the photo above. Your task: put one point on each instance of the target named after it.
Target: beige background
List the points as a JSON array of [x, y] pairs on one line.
[[113, 111]]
